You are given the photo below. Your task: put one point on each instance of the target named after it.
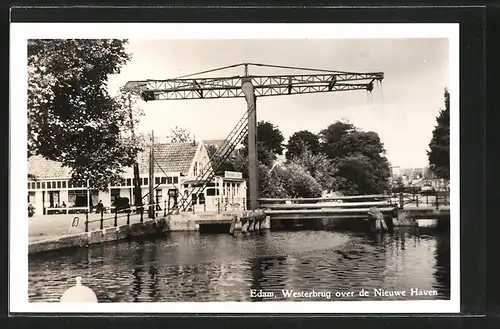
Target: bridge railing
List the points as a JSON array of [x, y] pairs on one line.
[[327, 207], [434, 199]]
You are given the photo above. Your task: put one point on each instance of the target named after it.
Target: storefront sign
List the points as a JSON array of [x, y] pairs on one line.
[[233, 174]]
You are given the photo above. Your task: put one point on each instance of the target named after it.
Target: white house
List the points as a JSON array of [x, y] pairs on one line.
[[178, 167]]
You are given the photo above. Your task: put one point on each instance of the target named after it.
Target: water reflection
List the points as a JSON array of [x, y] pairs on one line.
[[219, 267]]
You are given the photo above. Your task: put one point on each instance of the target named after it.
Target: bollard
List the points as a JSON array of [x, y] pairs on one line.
[[416, 200], [142, 214], [165, 208], [204, 206], [116, 218], [128, 218], [86, 221], [79, 293], [102, 219], [437, 201]]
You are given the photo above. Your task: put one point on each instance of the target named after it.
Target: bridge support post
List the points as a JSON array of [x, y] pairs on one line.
[[248, 90]]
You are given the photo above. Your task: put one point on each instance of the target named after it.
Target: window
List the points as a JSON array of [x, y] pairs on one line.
[[169, 180], [29, 186], [176, 180], [212, 191], [49, 184], [145, 180], [38, 185], [186, 186], [164, 180], [58, 184], [129, 182], [195, 169], [159, 193], [64, 184], [210, 184], [157, 180]]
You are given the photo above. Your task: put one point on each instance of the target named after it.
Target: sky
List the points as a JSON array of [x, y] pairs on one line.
[[402, 109]]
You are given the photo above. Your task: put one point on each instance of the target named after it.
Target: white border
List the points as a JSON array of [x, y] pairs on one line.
[[19, 34]]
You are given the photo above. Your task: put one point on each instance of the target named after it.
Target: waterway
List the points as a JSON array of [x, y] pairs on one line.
[[190, 266]]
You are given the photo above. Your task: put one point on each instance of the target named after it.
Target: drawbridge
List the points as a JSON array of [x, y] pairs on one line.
[[250, 87]]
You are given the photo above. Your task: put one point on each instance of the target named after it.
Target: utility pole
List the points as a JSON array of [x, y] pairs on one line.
[[151, 177], [137, 183]]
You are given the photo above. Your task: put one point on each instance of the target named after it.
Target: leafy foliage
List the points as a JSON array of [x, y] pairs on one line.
[[72, 118], [179, 135], [269, 143], [300, 141], [359, 158], [319, 166], [298, 182], [439, 147]]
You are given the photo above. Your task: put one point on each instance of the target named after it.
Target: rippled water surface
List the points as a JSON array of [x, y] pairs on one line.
[[190, 266]]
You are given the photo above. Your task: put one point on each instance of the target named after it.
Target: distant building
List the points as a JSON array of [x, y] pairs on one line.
[[176, 170]]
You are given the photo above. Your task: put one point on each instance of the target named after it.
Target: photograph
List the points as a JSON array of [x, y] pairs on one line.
[[235, 168]]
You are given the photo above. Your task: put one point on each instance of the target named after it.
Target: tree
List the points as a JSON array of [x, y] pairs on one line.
[[439, 147], [359, 159], [269, 142], [301, 140], [179, 135], [72, 118], [319, 166], [298, 182], [331, 137]]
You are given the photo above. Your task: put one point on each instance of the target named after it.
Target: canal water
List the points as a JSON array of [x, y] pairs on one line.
[[190, 266]]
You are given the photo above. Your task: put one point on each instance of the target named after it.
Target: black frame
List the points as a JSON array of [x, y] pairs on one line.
[[472, 149]]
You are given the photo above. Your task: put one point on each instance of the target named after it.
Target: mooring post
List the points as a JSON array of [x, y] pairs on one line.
[[86, 221], [101, 225], [142, 214], [128, 218], [116, 218]]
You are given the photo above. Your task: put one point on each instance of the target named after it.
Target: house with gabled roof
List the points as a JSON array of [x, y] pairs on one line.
[[177, 168]]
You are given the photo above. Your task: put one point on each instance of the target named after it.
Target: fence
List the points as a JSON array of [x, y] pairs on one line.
[[218, 205], [422, 199], [149, 210]]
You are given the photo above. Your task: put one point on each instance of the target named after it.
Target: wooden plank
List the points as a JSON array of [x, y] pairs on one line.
[[326, 205], [351, 197], [316, 216], [325, 211]]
